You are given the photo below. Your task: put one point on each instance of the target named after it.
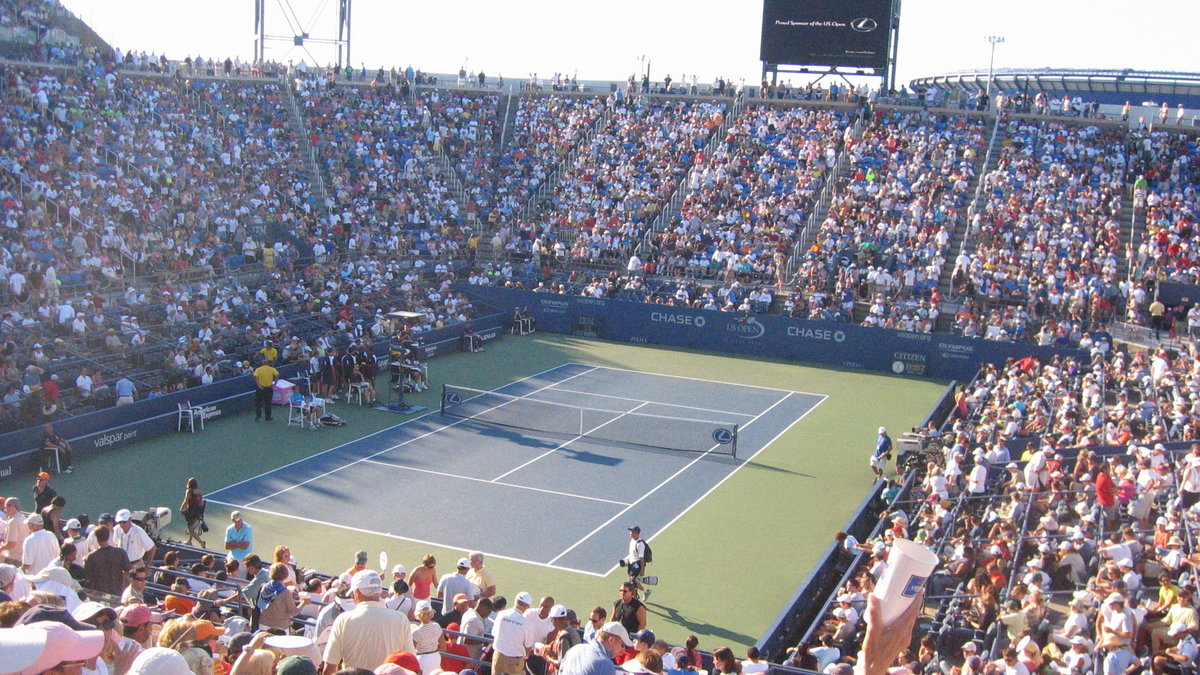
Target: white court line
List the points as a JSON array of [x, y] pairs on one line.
[[565, 444], [727, 477], [389, 535], [698, 379], [670, 405], [419, 417], [484, 480], [667, 480], [398, 445]]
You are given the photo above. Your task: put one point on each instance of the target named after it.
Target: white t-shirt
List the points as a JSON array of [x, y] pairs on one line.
[[977, 481], [512, 634]]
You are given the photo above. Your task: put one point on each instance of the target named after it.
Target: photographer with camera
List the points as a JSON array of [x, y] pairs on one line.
[[637, 559]]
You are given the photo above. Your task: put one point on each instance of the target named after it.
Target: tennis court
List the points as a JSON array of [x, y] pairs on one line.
[[548, 470]]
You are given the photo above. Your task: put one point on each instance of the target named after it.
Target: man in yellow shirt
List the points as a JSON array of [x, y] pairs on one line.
[[264, 382], [1157, 311]]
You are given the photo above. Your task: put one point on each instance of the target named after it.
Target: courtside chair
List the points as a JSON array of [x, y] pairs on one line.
[[189, 414]]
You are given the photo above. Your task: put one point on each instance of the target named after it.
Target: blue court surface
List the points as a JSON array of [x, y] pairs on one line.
[[555, 500]]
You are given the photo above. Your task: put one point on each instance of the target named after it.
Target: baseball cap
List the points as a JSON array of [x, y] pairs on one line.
[[35, 519], [74, 524], [399, 569], [234, 626], [91, 608], [235, 515], [41, 613], [463, 563], [1114, 597], [366, 580], [1177, 629], [43, 475], [159, 661], [883, 430], [635, 528], [7, 574], [205, 629], [39, 646], [136, 615], [296, 665], [123, 516], [645, 635], [614, 628], [1079, 640], [424, 605], [558, 612], [406, 660], [524, 598], [460, 597], [970, 647]]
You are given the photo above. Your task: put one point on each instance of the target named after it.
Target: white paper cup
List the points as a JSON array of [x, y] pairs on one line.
[[908, 568]]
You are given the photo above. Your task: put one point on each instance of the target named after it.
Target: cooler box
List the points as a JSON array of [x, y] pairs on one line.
[[282, 393]]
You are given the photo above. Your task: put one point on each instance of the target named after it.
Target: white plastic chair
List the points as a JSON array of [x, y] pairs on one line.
[[190, 414], [296, 413], [356, 392]]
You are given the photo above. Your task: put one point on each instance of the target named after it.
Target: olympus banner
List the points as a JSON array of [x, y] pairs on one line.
[[838, 344]]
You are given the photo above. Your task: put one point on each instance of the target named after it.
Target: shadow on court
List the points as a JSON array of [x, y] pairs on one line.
[[696, 626]]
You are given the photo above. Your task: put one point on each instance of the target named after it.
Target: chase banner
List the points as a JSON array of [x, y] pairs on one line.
[[937, 355]]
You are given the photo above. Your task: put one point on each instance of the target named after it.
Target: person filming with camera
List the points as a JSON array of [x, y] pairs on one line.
[[635, 562]]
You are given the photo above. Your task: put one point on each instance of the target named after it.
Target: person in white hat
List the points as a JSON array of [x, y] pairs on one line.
[[596, 657], [130, 537], [40, 547], [364, 636], [1183, 654], [453, 583], [882, 454], [1078, 659], [513, 638]]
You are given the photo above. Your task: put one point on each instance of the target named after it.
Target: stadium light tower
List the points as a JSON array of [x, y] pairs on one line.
[[994, 40]]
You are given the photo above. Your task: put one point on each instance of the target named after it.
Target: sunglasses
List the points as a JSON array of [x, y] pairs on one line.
[[104, 624]]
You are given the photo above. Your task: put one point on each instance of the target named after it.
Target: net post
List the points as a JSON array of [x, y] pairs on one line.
[[733, 451], [442, 400]]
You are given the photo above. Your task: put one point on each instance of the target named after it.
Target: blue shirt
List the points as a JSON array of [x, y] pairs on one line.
[[125, 387], [588, 658], [233, 535], [883, 445]]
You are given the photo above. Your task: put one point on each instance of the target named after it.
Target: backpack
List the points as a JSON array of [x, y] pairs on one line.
[[331, 420], [648, 556]]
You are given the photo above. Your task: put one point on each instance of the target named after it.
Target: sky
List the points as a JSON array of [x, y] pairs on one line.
[[612, 39]]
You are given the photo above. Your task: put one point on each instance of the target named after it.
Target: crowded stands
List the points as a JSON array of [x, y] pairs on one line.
[[1165, 191], [1047, 238], [1062, 521]]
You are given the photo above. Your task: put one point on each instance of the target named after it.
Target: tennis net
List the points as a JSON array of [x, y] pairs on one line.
[[631, 428]]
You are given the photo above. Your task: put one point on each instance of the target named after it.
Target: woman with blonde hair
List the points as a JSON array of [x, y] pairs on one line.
[[424, 577], [181, 635], [254, 660], [428, 638], [283, 556]]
